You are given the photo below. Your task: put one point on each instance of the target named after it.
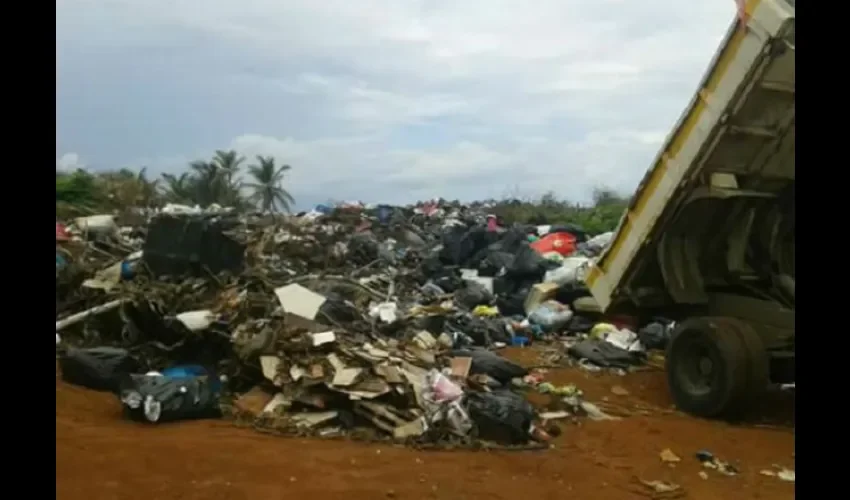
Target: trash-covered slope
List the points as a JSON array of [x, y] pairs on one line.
[[377, 323]]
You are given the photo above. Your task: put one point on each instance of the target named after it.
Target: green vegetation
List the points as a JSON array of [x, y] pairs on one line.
[[78, 193], [204, 183], [267, 191], [602, 215], [217, 181]]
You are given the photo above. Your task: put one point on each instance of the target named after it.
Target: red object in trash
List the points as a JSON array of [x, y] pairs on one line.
[[562, 243], [62, 233], [623, 321], [429, 208]]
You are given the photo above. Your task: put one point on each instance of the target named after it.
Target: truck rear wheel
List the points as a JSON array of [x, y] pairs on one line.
[[716, 367]]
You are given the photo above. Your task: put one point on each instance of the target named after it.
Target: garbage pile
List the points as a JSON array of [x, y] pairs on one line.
[[376, 322]]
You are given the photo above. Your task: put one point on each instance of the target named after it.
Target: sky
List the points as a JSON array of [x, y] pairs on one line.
[[384, 100]]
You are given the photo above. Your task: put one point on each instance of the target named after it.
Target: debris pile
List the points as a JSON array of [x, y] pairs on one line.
[[375, 322]]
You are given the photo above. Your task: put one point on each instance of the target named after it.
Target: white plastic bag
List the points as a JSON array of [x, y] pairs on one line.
[[442, 388], [387, 312], [97, 224], [197, 321], [176, 208], [573, 269], [551, 315], [543, 230], [601, 241], [625, 339]]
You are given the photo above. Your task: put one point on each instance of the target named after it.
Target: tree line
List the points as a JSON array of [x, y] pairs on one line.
[[601, 215], [218, 181], [204, 183]]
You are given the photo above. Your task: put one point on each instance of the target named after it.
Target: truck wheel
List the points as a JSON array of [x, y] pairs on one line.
[[713, 366], [758, 362]]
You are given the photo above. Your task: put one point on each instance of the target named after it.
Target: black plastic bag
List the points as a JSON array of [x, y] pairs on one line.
[[472, 294], [570, 292], [465, 248], [501, 415], [157, 398], [655, 335], [363, 248], [338, 310], [98, 368], [431, 267], [456, 246], [494, 262], [580, 324], [528, 264], [513, 303], [511, 241], [502, 285], [482, 331], [449, 282], [490, 363], [604, 354]]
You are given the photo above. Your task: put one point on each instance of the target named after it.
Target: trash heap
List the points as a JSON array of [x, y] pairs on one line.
[[375, 322]]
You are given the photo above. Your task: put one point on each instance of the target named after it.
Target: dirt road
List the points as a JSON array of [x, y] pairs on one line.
[[101, 456]]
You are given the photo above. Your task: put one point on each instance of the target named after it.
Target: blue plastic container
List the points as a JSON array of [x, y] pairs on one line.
[[192, 371], [128, 270], [185, 371], [384, 213]]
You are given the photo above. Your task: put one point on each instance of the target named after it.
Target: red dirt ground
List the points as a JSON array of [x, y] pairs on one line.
[[101, 456]]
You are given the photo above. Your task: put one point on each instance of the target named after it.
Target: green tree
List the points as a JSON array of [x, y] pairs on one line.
[[216, 181], [603, 196], [268, 192], [227, 164], [602, 215], [148, 189], [78, 193], [179, 188], [204, 182], [128, 188]]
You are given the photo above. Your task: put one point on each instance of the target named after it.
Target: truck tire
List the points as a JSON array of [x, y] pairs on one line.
[[758, 362], [715, 367]]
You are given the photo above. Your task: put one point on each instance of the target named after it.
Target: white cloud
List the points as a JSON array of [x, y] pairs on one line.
[[363, 104], [69, 162], [471, 97]]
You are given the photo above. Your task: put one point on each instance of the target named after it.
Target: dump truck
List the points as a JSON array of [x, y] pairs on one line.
[[708, 238]]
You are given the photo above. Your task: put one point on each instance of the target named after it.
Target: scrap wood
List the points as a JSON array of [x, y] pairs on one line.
[[80, 316], [658, 490], [384, 417], [376, 370]]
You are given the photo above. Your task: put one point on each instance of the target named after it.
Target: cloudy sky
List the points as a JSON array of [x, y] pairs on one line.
[[384, 100]]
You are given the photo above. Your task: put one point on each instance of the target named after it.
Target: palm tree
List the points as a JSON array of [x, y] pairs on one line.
[[226, 186], [148, 190], [204, 182], [268, 192], [227, 162], [179, 189]]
